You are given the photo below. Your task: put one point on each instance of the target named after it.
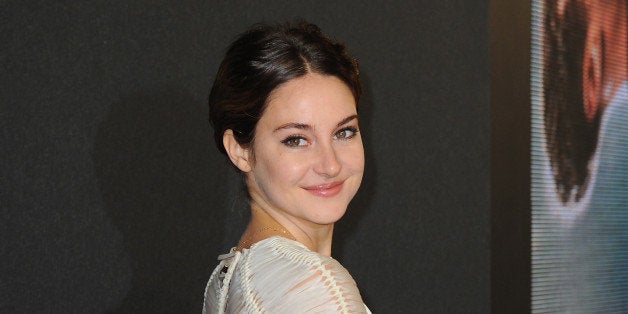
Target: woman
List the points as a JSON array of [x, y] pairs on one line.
[[284, 110], [585, 70]]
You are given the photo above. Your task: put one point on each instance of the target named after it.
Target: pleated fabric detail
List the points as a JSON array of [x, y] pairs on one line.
[[279, 275]]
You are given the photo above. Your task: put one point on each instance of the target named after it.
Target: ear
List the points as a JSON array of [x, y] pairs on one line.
[[239, 155]]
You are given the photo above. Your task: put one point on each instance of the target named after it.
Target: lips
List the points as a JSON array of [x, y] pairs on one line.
[[325, 190]]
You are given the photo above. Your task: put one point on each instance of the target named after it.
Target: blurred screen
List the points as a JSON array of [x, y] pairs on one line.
[[579, 171]]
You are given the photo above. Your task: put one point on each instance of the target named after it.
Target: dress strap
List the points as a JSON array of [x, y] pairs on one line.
[[231, 266], [228, 261], [225, 256]]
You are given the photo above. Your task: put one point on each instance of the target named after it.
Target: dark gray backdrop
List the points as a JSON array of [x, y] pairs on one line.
[[114, 199]]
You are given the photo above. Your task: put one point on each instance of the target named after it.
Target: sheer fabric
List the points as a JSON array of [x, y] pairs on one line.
[[279, 275]]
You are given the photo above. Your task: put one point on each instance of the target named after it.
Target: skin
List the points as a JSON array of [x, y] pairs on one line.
[[605, 64], [305, 164]]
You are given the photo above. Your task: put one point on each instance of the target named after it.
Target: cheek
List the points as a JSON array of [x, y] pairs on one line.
[[359, 163], [286, 169], [353, 159]]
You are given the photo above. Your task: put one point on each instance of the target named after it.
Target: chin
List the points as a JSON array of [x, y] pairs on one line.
[[329, 215]]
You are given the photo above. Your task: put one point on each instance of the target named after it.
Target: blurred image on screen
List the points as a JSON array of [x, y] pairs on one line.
[[579, 171]]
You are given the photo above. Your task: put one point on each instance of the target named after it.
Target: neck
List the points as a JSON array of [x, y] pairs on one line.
[[266, 223]]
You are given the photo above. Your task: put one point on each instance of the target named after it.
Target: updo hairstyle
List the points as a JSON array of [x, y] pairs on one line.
[[263, 58]]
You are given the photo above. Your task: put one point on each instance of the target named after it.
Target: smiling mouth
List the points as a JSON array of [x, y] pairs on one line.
[[325, 190]]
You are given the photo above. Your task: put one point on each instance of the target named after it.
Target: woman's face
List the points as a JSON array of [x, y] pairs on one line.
[[308, 155]]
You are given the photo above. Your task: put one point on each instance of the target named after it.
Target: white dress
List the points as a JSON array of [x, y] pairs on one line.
[[279, 275]]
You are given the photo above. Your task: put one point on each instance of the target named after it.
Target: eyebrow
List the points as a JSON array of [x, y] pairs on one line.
[[303, 126]]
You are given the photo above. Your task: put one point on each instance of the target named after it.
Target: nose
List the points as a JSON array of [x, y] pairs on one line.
[[327, 163]]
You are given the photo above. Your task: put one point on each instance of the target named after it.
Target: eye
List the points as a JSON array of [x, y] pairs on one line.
[[295, 141], [346, 133]]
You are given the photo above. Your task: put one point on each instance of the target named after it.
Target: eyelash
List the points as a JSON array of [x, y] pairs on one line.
[[291, 141], [351, 129], [292, 138]]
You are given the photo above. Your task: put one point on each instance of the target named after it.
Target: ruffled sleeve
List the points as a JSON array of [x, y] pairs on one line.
[[279, 275]]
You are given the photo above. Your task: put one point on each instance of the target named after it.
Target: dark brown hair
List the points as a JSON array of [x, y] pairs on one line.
[[571, 139], [263, 58]]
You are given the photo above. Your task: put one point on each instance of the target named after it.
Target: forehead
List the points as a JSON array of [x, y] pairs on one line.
[[312, 96]]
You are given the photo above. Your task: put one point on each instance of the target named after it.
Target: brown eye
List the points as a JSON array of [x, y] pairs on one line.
[[294, 141], [346, 133]]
